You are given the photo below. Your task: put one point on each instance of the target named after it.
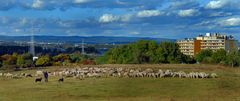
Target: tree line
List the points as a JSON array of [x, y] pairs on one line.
[[230, 58], [52, 51], [143, 51], [166, 52], [17, 61]]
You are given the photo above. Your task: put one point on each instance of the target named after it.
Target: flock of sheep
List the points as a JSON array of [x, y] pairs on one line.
[[16, 76], [89, 72], [96, 72]]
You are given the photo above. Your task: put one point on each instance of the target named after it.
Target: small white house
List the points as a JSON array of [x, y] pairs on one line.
[[35, 58]]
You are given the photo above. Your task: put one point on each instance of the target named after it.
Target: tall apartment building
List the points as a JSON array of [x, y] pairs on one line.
[[214, 42], [187, 46]]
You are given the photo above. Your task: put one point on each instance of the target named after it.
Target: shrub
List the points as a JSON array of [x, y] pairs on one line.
[[43, 61]]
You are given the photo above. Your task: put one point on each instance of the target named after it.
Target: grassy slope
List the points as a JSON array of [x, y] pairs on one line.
[[225, 88]]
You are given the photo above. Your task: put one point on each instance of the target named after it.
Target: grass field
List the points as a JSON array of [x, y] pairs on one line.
[[224, 88]]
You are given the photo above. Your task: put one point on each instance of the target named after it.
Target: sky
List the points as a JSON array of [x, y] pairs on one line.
[[174, 19]]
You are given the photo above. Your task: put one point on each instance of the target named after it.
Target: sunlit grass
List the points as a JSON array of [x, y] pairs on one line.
[[224, 88]]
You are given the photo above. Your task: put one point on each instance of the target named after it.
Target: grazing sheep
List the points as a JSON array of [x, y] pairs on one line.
[[168, 73], [39, 73], [191, 75], [89, 72], [29, 75], [125, 74], [38, 79], [9, 75], [213, 75], [182, 74], [79, 76], [162, 75], [203, 75], [16, 76]]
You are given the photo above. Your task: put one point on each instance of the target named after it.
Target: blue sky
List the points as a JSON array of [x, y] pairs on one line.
[[135, 18]]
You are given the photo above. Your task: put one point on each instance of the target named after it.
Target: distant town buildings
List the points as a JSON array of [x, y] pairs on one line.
[[192, 46]]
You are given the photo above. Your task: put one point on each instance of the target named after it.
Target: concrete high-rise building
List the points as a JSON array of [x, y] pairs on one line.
[[214, 42], [187, 46]]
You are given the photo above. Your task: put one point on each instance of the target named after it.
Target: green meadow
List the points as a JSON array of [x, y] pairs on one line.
[[224, 88]]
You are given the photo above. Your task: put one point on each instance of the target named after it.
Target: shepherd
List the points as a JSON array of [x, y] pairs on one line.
[[45, 76]]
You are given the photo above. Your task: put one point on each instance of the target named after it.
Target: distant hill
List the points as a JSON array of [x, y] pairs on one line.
[[78, 39]]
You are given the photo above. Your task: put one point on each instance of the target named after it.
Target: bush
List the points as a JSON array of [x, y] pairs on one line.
[[43, 61], [9, 61], [61, 58], [20, 61], [1, 62], [75, 57], [207, 60], [89, 62], [220, 56], [233, 58], [24, 60], [57, 63]]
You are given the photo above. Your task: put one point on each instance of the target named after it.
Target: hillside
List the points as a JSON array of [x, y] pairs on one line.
[[78, 39]]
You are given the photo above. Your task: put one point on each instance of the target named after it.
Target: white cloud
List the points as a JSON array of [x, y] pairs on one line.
[[81, 1], [216, 4], [38, 4], [231, 22], [134, 33], [188, 13], [217, 14], [120, 2], [17, 30], [107, 18], [148, 13]]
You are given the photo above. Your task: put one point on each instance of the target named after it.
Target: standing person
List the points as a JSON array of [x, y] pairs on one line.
[[46, 76]]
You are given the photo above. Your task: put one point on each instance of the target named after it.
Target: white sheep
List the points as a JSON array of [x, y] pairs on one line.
[[213, 75], [39, 73], [9, 75]]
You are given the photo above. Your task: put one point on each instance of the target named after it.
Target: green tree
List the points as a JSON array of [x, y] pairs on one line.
[[171, 53], [43, 61], [160, 56], [188, 59], [9, 61], [24, 60], [207, 53], [141, 50], [61, 57], [20, 61], [75, 57], [64, 59], [219, 56], [233, 58], [28, 61]]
